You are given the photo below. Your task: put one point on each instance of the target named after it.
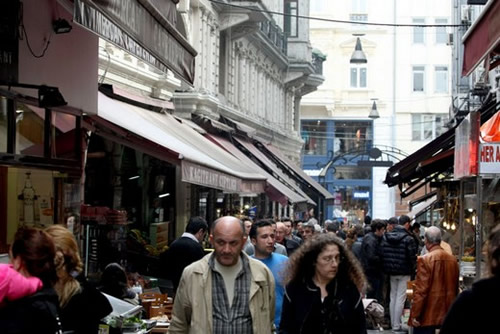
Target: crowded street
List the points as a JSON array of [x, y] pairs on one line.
[[249, 167]]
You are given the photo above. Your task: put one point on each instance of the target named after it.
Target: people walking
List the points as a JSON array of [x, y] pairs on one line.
[[324, 290], [262, 237], [226, 291], [185, 250], [290, 244], [75, 293], [400, 256], [476, 310], [436, 285], [32, 255], [289, 230], [371, 256]]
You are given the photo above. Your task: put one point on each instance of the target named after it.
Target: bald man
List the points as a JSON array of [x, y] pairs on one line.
[[226, 291]]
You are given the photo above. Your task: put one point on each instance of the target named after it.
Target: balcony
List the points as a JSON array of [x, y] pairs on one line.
[[275, 35]]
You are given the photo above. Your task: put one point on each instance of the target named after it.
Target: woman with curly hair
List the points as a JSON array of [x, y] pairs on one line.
[[324, 288], [76, 296]]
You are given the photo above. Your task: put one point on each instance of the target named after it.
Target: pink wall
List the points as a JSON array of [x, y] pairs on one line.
[[70, 62]]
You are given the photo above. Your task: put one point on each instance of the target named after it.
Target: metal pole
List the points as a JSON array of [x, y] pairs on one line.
[[479, 225]]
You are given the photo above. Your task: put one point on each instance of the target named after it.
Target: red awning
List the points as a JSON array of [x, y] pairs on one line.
[[490, 130], [482, 38]]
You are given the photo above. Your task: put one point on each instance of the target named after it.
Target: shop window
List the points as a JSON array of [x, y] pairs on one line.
[[353, 202], [291, 18], [352, 137], [314, 134], [358, 76], [441, 35], [441, 75], [418, 78], [427, 126], [418, 32]]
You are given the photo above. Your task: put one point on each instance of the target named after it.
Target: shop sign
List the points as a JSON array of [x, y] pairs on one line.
[[361, 194], [139, 28], [9, 41], [204, 176], [489, 158]]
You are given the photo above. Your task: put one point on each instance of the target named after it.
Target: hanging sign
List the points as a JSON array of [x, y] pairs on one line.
[[489, 158]]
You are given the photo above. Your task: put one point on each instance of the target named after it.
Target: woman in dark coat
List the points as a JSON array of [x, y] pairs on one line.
[[82, 305], [32, 254], [324, 291], [476, 310]]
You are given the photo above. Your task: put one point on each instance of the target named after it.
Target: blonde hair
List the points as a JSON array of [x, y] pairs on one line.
[[67, 261]]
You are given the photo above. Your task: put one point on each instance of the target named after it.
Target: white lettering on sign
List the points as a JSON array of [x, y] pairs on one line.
[[197, 174], [489, 158]]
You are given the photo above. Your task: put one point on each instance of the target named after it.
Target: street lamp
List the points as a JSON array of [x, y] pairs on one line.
[[374, 112], [358, 56]]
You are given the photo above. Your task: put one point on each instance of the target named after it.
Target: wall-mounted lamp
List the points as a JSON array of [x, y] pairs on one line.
[[358, 56], [164, 195], [374, 112], [61, 26]]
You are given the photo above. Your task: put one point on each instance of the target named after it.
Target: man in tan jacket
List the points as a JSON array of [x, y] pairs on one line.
[[226, 291], [436, 285]]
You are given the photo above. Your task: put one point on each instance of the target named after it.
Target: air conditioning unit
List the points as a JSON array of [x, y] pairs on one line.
[[465, 13]]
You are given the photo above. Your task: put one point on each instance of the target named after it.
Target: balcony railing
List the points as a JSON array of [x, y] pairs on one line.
[[275, 35], [317, 60]]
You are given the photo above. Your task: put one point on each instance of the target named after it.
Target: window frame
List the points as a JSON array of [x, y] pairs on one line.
[[358, 68], [436, 72], [419, 129], [439, 31], [416, 70], [418, 31], [289, 19]]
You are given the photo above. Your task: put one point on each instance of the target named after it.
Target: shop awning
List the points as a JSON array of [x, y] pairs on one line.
[[273, 167], [276, 190], [482, 38], [300, 173], [422, 207], [490, 130], [430, 160], [203, 162]]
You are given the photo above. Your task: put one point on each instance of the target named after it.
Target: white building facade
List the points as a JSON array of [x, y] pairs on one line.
[[407, 73]]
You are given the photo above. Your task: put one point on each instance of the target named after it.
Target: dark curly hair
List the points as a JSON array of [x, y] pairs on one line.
[[301, 264]]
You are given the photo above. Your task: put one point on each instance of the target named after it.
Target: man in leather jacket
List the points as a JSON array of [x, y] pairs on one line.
[[436, 285]]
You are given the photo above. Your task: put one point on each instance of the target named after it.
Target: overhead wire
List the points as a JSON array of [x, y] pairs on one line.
[[334, 20]]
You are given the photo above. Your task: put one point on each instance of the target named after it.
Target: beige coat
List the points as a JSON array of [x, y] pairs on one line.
[[192, 312]]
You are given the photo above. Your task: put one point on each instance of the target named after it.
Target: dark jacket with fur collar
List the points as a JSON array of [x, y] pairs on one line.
[[340, 312]]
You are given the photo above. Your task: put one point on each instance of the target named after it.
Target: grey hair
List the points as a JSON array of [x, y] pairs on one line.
[[433, 235], [242, 225]]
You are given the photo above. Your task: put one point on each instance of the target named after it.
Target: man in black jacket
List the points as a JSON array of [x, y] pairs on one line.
[[400, 258], [185, 250], [371, 256]]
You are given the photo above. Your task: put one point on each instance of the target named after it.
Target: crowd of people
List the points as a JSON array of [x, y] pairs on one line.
[[262, 277]]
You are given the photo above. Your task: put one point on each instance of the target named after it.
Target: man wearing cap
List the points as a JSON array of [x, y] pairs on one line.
[[400, 257]]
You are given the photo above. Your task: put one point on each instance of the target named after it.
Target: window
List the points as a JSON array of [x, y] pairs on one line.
[[359, 6], [418, 78], [290, 25], [314, 134], [418, 32], [441, 79], [427, 126], [353, 172], [352, 136], [358, 18], [441, 35], [358, 76]]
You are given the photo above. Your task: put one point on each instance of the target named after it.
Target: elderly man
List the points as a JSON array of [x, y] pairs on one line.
[[290, 245], [226, 291], [436, 285], [308, 231]]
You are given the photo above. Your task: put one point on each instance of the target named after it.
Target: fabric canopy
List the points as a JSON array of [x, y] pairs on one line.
[[490, 130]]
